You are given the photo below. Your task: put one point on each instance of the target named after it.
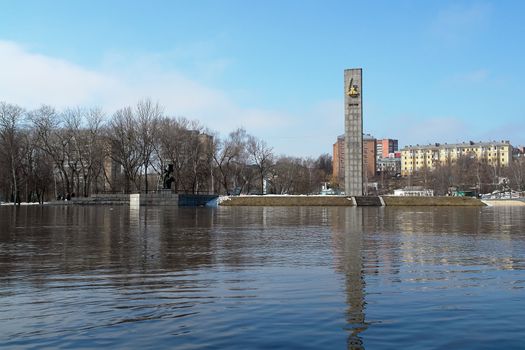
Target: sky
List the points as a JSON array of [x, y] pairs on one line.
[[433, 71]]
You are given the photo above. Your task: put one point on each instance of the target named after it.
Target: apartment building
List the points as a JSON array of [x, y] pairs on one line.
[[369, 156], [390, 165], [417, 158], [338, 159], [384, 147]]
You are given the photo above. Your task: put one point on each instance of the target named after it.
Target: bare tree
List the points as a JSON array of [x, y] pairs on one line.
[[517, 174], [148, 117], [85, 154], [36, 168], [125, 149], [261, 156], [56, 142], [324, 164], [288, 175], [10, 119], [71, 130], [229, 155], [198, 150]]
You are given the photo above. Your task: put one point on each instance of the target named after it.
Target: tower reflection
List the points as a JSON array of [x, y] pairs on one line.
[[347, 232]]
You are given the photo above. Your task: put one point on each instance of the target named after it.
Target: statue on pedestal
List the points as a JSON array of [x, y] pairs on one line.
[[167, 177]]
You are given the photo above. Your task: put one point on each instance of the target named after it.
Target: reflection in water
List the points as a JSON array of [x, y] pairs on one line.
[[456, 236], [348, 245], [410, 251], [267, 277]]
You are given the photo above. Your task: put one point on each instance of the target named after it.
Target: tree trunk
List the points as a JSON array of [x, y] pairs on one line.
[[15, 187], [146, 177], [262, 182]]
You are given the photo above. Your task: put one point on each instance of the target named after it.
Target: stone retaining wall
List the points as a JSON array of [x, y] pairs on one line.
[[172, 199], [166, 198], [344, 201], [286, 201], [160, 198], [432, 201]]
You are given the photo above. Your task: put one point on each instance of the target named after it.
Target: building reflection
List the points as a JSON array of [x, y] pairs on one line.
[[347, 231], [444, 235], [376, 242]]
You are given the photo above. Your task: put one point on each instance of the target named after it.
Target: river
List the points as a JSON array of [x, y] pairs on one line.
[[262, 277]]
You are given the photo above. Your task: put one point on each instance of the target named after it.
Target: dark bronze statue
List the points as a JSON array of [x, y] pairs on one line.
[[168, 177]]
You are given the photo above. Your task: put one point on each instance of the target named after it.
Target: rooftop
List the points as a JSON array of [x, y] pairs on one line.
[[460, 145]]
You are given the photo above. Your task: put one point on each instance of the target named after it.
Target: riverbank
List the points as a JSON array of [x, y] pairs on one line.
[[171, 199], [274, 200]]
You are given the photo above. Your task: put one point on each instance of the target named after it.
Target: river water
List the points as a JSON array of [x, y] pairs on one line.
[[262, 278]]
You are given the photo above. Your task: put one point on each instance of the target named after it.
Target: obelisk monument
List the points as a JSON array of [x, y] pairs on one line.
[[353, 132]]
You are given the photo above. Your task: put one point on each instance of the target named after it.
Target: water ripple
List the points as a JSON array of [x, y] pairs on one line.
[[294, 277]]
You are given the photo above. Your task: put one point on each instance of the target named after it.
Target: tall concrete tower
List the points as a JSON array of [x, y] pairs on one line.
[[353, 132]]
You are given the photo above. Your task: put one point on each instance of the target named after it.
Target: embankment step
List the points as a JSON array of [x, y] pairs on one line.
[[368, 201]]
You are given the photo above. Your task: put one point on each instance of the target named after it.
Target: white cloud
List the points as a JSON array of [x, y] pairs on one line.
[[30, 79]]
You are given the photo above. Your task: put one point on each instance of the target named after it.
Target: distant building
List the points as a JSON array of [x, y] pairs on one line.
[[338, 159], [369, 157], [385, 147], [390, 164], [112, 170], [416, 158], [414, 191]]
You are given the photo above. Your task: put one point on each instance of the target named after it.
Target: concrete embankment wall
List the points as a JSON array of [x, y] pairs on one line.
[[159, 198], [173, 199], [345, 201], [269, 201], [432, 201]]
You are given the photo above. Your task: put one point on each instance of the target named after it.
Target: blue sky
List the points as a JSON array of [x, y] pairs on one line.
[[433, 71]]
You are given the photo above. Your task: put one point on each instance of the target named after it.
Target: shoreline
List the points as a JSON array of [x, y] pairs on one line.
[[299, 200], [323, 200]]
